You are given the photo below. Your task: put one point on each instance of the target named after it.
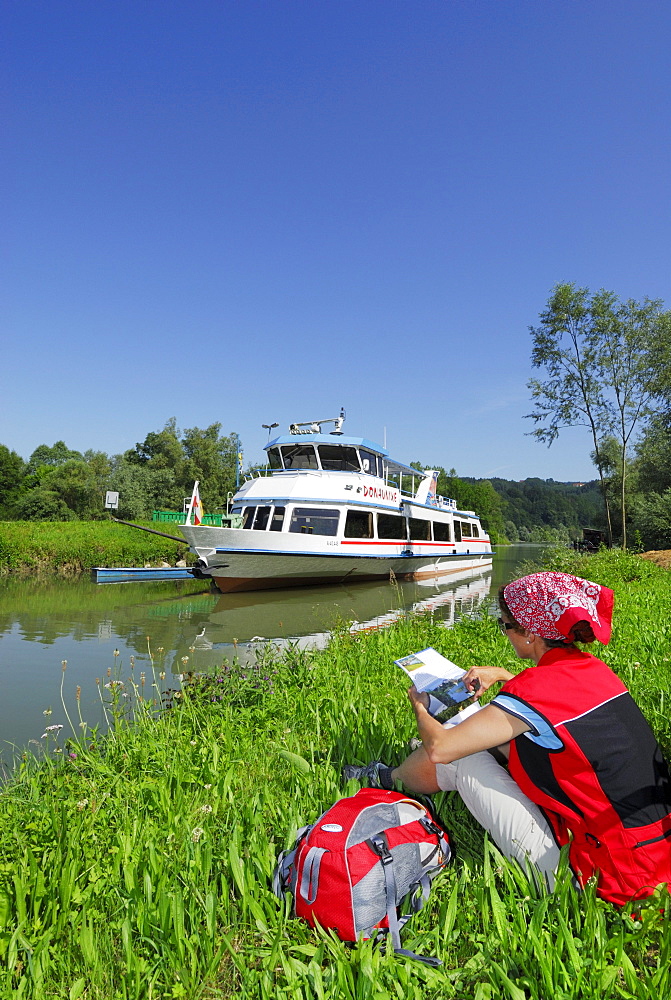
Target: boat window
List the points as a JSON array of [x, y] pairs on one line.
[[359, 524], [465, 529], [476, 533], [338, 458], [256, 518], [457, 531], [441, 531], [274, 458], [299, 456], [371, 459], [277, 519], [314, 521], [391, 526], [420, 531], [261, 519]]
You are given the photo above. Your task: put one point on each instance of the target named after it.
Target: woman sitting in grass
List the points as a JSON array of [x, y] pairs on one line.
[[583, 766]]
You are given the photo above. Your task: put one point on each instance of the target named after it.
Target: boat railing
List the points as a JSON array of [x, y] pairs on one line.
[[446, 503], [259, 472], [263, 471]]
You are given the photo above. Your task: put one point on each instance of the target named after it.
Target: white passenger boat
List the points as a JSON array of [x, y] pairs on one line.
[[328, 508]]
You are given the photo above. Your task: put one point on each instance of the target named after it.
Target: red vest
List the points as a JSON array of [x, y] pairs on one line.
[[592, 763]]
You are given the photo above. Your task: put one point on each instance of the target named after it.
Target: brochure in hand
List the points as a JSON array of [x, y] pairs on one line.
[[432, 672]]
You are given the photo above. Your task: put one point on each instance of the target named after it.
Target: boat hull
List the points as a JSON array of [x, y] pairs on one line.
[[259, 571]]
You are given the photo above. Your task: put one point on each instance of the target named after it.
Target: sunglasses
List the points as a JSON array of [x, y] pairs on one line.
[[504, 626]]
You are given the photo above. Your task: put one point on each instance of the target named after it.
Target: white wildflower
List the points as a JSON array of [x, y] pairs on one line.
[[50, 729]]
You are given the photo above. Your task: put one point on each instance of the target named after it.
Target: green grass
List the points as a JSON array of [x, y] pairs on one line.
[[141, 867], [74, 546]]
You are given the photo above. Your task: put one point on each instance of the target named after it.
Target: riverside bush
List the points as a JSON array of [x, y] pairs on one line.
[[138, 864], [74, 546]]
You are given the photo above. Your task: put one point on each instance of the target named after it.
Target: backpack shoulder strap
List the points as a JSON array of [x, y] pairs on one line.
[[379, 845]]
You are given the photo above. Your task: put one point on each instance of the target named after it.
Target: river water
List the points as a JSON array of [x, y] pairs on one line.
[[58, 636]]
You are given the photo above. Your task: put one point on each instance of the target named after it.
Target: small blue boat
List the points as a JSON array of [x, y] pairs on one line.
[[138, 574]]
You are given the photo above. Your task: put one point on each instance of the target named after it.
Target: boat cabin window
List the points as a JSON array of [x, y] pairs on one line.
[[465, 529], [277, 520], [457, 531], [274, 458], [314, 521], [261, 519], [391, 526], [476, 533], [338, 458], [369, 463], [420, 531], [299, 456], [256, 518], [441, 531], [359, 524]]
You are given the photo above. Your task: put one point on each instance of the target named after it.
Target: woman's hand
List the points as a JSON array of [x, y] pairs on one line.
[[478, 679], [418, 697]]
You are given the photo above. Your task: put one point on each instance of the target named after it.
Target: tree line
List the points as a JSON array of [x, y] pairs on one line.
[[59, 484], [604, 364]]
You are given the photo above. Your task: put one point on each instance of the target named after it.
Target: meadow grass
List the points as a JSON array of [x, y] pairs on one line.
[[74, 546], [138, 864]]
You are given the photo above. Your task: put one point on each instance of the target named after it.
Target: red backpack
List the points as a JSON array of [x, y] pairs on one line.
[[352, 869]]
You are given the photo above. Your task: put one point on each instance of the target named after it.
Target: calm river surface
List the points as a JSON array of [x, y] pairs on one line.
[[46, 622]]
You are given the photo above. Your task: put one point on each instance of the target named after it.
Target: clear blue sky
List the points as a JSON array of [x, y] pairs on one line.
[[250, 211]]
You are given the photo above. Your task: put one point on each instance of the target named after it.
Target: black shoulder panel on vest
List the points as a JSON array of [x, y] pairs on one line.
[[537, 763], [622, 749]]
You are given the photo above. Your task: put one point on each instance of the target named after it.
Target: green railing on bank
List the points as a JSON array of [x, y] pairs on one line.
[[176, 518]]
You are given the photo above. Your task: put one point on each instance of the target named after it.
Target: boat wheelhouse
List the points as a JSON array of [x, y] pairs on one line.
[[328, 507]]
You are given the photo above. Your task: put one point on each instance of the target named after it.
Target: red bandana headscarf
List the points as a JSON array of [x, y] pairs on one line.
[[550, 604]]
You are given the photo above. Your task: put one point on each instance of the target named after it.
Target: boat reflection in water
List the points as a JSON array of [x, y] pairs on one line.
[[240, 625]]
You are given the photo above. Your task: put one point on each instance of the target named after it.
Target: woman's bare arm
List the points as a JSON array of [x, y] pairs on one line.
[[486, 729]]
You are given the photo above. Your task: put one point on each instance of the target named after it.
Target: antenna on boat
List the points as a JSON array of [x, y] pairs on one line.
[[315, 426]]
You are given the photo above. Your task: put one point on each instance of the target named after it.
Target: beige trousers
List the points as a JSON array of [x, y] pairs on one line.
[[514, 822]]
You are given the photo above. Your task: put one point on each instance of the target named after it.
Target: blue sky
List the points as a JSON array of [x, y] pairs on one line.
[[264, 210]]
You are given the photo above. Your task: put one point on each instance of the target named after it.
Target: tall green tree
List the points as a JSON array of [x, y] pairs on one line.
[[12, 474], [182, 457], [626, 338], [55, 454], [654, 455], [70, 490], [210, 457], [571, 393], [601, 368]]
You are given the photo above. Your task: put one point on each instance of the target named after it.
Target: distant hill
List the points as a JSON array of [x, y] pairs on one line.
[[545, 503]]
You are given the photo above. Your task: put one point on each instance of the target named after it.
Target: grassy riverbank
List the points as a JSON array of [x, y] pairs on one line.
[[74, 546], [138, 865]]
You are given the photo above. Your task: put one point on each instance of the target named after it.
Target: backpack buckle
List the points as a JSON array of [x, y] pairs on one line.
[[379, 846]]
